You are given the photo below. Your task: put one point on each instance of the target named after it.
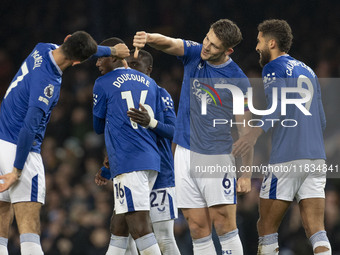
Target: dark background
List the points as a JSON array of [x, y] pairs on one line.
[[75, 219]]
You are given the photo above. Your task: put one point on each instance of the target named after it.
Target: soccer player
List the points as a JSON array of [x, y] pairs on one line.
[[25, 112], [132, 150], [163, 209], [206, 201], [300, 147]]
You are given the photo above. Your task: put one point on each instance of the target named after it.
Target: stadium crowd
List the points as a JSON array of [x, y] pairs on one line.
[[77, 213]]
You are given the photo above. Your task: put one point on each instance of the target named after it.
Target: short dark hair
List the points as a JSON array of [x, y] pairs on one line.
[[111, 41], [279, 30], [79, 46], [228, 32], [145, 55]]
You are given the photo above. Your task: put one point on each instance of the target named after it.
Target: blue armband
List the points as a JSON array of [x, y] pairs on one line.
[[106, 173]]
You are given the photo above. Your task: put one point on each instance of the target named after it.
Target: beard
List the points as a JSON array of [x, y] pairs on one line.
[[264, 57]]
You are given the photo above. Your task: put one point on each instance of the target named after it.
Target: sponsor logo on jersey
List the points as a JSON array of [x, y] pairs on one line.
[[43, 99]]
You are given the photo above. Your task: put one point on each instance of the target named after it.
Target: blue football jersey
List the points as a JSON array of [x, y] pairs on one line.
[[37, 84], [304, 139], [130, 147], [166, 176], [194, 130]]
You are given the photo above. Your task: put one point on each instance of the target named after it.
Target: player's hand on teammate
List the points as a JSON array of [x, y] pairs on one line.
[[99, 179], [8, 180], [141, 117], [243, 185], [121, 51]]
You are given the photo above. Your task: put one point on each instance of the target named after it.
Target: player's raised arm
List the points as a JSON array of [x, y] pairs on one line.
[[161, 42]]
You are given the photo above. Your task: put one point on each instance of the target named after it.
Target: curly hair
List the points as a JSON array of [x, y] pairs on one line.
[[279, 30]]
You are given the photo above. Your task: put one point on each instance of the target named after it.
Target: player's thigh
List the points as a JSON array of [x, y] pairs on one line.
[[314, 184], [312, 214], [199, 221], [118, 225], [223, 217], [282, 181], [187, 191], [31, 186], [27, 215], [271, 214], [6, 216], [7, 155], [217, 181], [132, 191], [163, 205]]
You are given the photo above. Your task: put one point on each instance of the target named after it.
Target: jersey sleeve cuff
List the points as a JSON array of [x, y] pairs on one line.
[[153, 123]]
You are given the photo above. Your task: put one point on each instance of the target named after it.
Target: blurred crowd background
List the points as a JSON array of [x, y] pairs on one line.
[[75, 218]]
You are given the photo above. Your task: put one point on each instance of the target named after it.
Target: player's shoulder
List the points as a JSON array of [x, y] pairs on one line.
[[163, 91], [189, 43], [276, 67], [45, 47], [235, 70]]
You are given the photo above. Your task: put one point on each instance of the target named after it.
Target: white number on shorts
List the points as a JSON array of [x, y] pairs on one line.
[[24, 71], [127, 95]]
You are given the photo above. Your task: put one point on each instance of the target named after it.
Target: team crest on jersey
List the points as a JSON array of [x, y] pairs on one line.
[[268, 79], [191, 43], [48, 91]]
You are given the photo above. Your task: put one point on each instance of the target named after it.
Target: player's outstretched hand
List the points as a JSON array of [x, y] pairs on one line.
[[99, 180], [8, 180], [139, 40], [141, 117], [243, 185]]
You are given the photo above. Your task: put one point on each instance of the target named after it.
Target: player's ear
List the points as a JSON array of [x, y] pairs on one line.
[[271, 43], [76, 63], [149, 70], [228, 51], [68, 36]]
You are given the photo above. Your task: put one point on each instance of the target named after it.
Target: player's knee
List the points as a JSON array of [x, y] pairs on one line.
[[139, 230], [198, 230]]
